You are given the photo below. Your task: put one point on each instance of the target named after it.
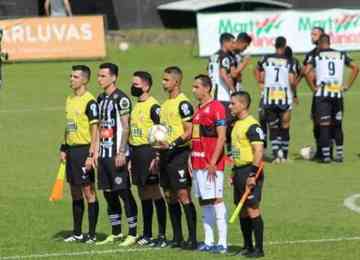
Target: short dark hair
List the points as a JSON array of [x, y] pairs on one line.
[[226, 37], [205, 80], [145, 76], [243, 94], [113, 68], [319, 29], [324, 38], [288, 52], [280, 42], [84, 69], [244, 37]]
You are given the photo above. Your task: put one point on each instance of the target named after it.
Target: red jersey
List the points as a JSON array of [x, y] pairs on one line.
[[204, 135]]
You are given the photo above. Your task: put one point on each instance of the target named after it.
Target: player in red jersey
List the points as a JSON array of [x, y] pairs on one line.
[[208, 162]]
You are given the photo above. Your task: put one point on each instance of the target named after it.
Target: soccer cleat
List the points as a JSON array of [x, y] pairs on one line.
[[205, 248], [111, 239], [129, 241], [276, 161], [245, 251], [257, 253], [74, 238], [190, 245], [176, 244], [90, 240], [160, 242], [338, 159], [144, 241], [219, 249], [325, 160]]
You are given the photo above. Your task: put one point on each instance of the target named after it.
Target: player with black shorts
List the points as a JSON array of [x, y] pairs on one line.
[[248, 150], [176, 114], [143, 159], [277, 77], [79, 151], [113, 175], [328, 65]]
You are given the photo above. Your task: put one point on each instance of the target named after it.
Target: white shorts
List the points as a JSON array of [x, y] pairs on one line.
[[204, 189]]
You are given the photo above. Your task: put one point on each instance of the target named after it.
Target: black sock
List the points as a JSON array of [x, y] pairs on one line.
[[190, 213], [147, 210], [161, 216], [258, 227], [275, 140], [93, 213], [130, 210], [324, 142], [78, 213], [285, 138], [338, 136], [175, 218], [246, 229], [114, 211], [316, 132]]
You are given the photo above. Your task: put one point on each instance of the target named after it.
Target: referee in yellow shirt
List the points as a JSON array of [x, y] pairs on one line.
[[143, 160], [79, 151], [247, 141]]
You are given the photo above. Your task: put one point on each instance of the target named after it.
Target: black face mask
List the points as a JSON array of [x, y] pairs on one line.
[[136, 92]]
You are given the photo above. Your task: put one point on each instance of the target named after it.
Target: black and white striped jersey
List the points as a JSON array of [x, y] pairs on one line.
[[277, 89], [329, 67], [111, 108]]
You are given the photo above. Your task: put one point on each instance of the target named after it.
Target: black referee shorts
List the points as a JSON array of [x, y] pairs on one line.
[[174, 173], [111, 177], [141, 157], [240, 177], [328, 110], [75, 166]]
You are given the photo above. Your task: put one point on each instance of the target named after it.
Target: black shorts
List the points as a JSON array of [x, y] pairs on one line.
[[75, 166], [174, 173], [141, 157], [273, 115], [240, 176], [111, 177], [328, 110]]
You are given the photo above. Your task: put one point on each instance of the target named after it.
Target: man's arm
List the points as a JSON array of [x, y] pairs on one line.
[[310, 76], [236, 71], [47, 7], [68, 7], [219, 147], [353, 75], [227, 79]]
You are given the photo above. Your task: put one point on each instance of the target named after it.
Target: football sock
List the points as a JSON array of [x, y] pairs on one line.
[[190, 214], [160, 206], [275, 141], [258, 227], [147, 211], [78, 213], [339, 140], [221, 216], [114, 211], [285, 138], [130, 210], [93, 213], [175, 219], [246, 229], [208, 223], [325, 142]]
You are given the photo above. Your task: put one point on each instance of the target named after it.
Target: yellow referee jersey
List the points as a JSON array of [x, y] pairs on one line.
[[175, 111], [81, 112], [245, 132], [142, 118]]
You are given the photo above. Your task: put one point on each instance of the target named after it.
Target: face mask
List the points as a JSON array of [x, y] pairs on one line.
[[136, 92]]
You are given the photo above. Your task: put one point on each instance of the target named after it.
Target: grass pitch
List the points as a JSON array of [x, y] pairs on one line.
[[302, 205]]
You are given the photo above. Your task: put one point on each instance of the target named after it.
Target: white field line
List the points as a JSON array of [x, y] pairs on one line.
[[113, 251], [61, 108], [350, 203]]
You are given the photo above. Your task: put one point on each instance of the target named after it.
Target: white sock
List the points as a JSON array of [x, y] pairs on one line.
[[208, 222], [221, 216]]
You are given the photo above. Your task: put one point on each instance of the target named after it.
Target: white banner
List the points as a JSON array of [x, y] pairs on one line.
[[342, 25]]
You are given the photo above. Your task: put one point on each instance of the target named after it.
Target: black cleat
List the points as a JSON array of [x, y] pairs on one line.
[[257, 253], [160, 242], [176, 243], [245, 251], [338, 160], [190, 245]]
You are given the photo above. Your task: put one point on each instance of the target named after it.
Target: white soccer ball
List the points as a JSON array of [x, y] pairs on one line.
[[307, 152], [157, 134], [123, 46]]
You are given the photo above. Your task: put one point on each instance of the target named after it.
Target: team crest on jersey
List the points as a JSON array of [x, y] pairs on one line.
[[118, 180]]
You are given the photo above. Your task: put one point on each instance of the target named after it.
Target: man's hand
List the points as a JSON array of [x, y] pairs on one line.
[[89, 163], [154, 166], [190, 166], [62, 156], [120, 160], [95, 159], [211, 168], [251, 182], [163, 145]]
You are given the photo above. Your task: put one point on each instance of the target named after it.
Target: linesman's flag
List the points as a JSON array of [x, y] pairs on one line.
[[58, 188]]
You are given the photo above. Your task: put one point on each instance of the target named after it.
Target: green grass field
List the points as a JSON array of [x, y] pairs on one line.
[[303, 201]]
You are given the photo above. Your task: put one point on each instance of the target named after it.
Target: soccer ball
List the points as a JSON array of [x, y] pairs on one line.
[[123, 46], [307, 152], [157, 134]]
